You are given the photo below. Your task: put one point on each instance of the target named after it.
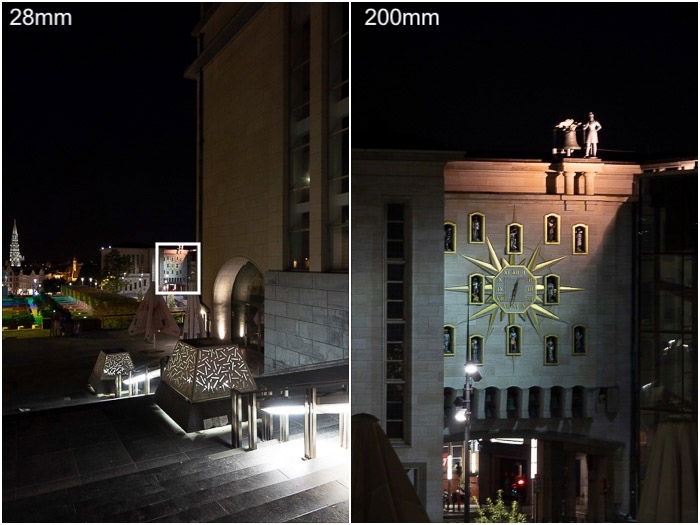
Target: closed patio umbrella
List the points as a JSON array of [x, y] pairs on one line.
[[194, 322], [152, 317]]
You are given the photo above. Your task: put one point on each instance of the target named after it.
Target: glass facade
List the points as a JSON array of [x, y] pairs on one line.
[[667, 330], [299, 148]]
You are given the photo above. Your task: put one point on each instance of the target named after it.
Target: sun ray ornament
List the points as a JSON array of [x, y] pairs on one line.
[[513, 289]]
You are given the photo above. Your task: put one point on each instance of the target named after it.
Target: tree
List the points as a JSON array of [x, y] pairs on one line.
[[116, 265], [52, 285], [498, 512]]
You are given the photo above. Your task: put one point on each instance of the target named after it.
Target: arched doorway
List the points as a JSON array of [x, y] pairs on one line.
[[238, 309], [248, 308]]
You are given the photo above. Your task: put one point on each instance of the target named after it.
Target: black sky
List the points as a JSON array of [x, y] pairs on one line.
[[496, 77], [98, 128]]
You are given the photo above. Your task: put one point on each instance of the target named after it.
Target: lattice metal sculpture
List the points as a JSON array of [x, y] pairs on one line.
[[203, 373], [108, 366]]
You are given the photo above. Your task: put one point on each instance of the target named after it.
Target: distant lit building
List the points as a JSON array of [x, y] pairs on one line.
[[141, 258], [273, 177], [20, 281]]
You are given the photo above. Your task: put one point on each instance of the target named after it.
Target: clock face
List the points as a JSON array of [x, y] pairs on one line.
[[514, 289]]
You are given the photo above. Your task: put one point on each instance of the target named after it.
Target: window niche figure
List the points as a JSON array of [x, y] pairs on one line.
[[450, 235], [514, 238], [513, 340], [476, 349], [477, 227], [551, 289], [579, 339], [551, 228], [551, 350], [580, 239], [476, 288], [448, 338]]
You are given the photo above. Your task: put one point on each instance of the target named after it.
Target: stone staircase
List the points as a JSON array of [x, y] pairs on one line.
[[269, 484]]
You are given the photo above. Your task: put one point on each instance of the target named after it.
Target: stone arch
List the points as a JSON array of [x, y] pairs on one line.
[[513, 402], [221, 296]]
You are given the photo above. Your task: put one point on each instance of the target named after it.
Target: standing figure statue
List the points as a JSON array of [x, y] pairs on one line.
[[592, 127]]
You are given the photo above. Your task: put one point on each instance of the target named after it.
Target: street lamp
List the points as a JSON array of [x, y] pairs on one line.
[[471, 373]]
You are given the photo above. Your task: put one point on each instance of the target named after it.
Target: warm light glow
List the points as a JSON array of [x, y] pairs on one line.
[[221, 329], [241, 330], [533, 458], [449, 467], [474, 462], [461, 415], [470, 369], [285, 410]]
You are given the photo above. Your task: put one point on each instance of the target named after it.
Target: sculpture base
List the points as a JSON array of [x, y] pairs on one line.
[[191, 416]]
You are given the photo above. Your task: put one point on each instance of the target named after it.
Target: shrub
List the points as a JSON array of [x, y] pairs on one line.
[[498, 512]]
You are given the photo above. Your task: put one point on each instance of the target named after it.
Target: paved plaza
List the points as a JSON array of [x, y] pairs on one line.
[[53, 371]]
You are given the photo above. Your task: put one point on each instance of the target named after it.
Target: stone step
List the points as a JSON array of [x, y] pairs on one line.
[[338, 513], [291, 507], [274, 481], [261, 497]]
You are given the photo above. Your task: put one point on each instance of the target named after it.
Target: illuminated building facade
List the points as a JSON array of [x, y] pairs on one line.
[[142, 266], [531, 270], [272, 184]]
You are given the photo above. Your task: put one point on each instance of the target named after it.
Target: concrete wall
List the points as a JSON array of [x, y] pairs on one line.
[[306, 318], [379, 177]]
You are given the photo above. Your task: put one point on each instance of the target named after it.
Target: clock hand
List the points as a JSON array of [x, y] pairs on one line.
[[515, 289]]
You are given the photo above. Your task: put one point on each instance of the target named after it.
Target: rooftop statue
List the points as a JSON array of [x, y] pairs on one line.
[[592, 126]]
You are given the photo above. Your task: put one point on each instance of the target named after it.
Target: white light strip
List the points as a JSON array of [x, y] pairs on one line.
[[508, 441], [533, 458], [449, 467], [285, 410], [139, 378]]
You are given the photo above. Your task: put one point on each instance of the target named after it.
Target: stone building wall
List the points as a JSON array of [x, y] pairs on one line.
[[306, 318], [415, 179]]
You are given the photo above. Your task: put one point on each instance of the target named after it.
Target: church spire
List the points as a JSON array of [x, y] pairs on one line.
[[15, 257]]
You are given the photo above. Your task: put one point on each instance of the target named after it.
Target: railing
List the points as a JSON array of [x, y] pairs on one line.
[[304, 390]]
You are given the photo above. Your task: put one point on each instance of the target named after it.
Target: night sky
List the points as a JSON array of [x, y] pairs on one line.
[[99, 123], [495, 78], [98, 129]]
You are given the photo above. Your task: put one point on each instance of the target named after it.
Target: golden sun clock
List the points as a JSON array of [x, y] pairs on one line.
[[514, 289]]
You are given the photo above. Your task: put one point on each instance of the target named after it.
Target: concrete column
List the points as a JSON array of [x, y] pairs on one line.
[[479, 410], [502, 403], [589, 177], [523, 411], [566, 397], [545, 401], [569, 182]]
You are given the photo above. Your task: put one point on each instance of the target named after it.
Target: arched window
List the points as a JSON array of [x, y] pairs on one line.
[[534, 407], [491, 403], [513, 402], [555, 402], [578, 400]]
